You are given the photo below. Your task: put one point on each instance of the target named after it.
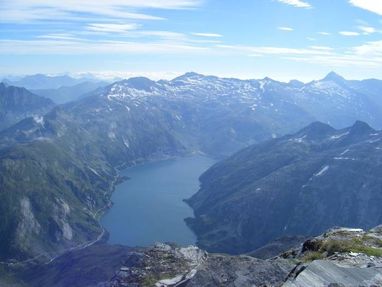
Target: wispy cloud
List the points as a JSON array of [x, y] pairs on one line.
[[209, 35], [349, 33], [371, 49], [164, 35], [337, 60], [286, 29], [366, 30], [58, 10], [59, 36], [112, 28], [322, 48], [297, 3], [367, 55], [324, 33], [90, 26], [11, 14], [79, 47], [374, 6], [271, 50], [126, 33]]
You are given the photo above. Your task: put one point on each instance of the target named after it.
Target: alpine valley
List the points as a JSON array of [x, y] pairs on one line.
[[297, 159]]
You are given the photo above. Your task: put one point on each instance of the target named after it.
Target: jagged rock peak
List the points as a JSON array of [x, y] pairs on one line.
[[317, 128], [333, 76], [361, 127]]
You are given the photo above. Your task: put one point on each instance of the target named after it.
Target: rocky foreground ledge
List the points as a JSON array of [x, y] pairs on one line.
[[340, 257]]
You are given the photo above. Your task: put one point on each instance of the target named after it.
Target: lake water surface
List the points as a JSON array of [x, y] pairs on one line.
[[148, 207]]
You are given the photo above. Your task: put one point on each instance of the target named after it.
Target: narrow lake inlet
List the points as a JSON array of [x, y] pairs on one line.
[[149, 207]]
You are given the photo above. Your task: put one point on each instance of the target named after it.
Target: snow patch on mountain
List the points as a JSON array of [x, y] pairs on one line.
[[335, 137], [39, 120], [322, 171]]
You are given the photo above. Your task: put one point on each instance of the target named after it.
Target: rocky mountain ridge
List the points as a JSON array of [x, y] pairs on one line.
[[18, 103], [299, 184]]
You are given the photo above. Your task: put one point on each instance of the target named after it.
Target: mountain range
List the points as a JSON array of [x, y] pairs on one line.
[[60, 89], [41, 81], [66, 94], [58, 171]]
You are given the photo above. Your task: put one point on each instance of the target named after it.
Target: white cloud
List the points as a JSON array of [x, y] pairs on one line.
[[286, 29], [324, 33], [112, 28], [370, 5], [338, 60], [296, 3], [369, 49], [79, 47], [210, 35], [366, 30], [51, 14], [175, 37], [322, 48], [58, 10], [368, 55], [270, 50], [349, 33], [59, 36]]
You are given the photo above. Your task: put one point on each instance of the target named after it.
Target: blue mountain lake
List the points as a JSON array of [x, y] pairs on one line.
[[149, 207]]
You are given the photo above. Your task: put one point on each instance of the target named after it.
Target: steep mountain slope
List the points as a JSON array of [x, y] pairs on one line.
[[57, 173], [18, 103], [299, 184]]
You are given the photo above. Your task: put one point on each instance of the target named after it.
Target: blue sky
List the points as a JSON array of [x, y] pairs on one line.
[[282, 39]]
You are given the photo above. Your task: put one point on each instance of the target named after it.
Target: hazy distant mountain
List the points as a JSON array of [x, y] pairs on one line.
[[41, 81], [60, 89], [299, 184], [18, 103], [65, 94]]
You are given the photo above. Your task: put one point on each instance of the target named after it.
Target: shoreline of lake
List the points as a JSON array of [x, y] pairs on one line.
[[150, 207]]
